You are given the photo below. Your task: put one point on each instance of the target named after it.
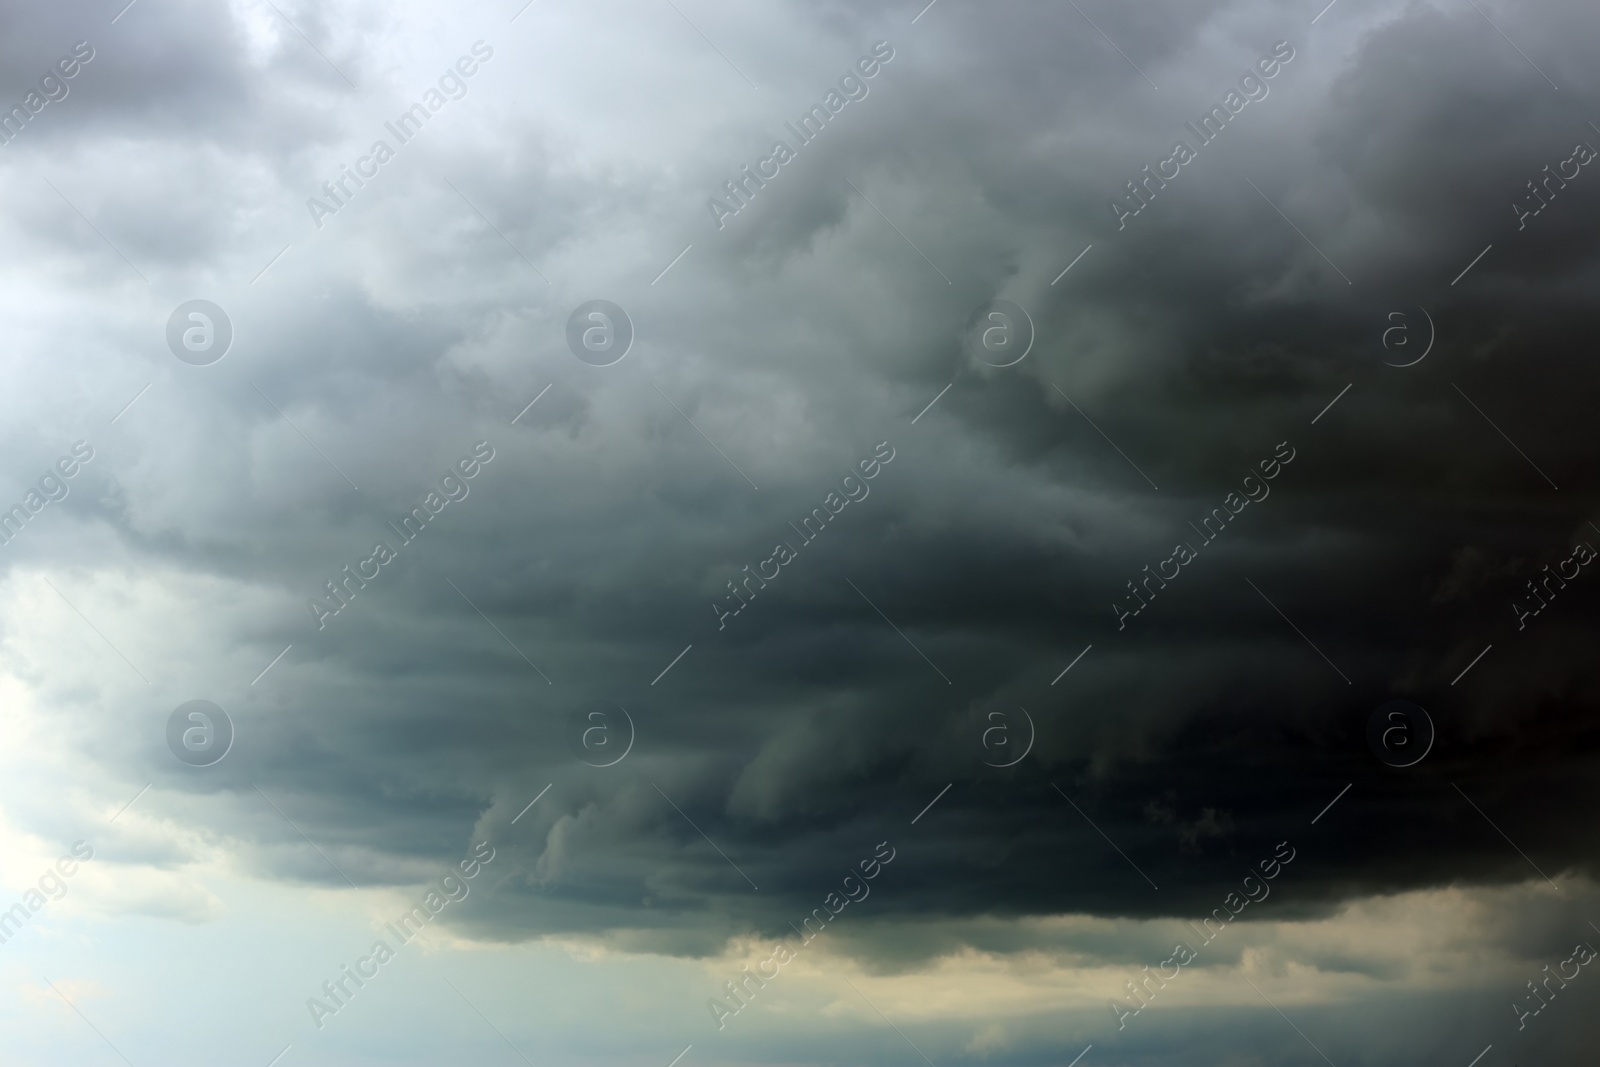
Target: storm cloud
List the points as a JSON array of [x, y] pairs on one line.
[[818, 563]]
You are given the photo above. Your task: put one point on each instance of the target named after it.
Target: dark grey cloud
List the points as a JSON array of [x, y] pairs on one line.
[[1197, 341]]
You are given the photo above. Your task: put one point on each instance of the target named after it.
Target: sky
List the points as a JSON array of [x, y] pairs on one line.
[[861, 525]]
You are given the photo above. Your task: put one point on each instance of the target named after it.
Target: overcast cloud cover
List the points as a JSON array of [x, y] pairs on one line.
[[552, 672]]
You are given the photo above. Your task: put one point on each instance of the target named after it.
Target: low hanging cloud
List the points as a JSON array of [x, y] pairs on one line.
[[1082, 547]]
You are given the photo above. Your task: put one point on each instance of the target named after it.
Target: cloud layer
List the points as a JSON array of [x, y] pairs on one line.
[[1012, 578]]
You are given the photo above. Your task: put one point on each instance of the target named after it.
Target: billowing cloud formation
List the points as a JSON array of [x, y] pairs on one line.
[[1179, 552]]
